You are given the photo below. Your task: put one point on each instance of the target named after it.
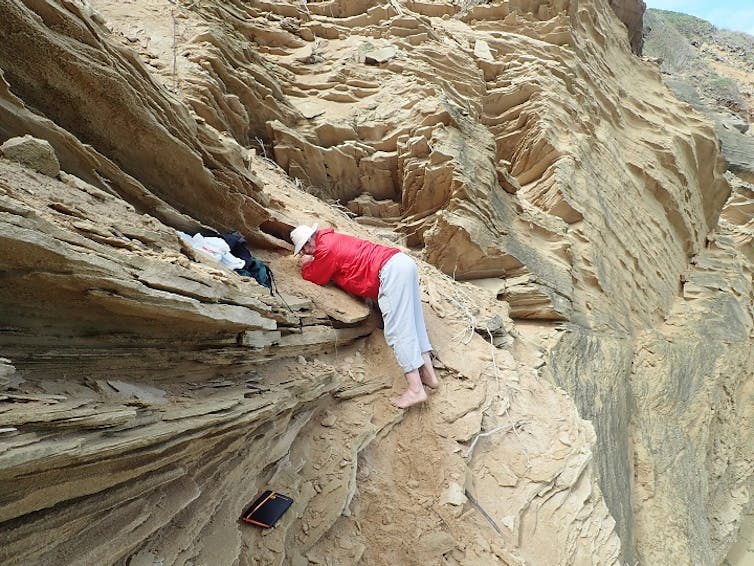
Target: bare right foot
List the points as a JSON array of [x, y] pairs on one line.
[[429, 378], [409, 398], [427, 372]]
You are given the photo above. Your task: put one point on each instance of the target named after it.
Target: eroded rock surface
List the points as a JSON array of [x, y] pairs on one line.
[[710, 69], [493, 180], [631, 13], [584, 265]]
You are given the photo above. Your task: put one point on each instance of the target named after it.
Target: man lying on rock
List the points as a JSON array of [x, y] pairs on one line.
[[378, 272]]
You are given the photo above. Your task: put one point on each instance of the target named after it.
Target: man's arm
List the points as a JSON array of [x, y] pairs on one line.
[[318, 270]]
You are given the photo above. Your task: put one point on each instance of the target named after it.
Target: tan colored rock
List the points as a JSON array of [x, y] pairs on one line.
[[32, 152], [379, 56], [453, 495], [366, 205], [558, 165], [108, 113]]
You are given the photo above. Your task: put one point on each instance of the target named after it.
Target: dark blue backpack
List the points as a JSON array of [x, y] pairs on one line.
[[259, 271], [252, 266]]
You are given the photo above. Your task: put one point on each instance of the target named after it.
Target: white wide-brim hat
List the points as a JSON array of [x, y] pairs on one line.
[[300, 235]]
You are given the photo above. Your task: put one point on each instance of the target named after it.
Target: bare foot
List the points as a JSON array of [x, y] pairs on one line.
[[409, 398], [429, 378], [427, 372]]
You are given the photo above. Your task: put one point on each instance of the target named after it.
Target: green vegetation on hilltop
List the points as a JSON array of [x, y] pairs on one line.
[[663, 39], [684, 23], [695, 53]]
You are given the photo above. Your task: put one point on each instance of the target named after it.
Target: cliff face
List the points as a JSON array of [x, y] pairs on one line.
[[631, 13], [711, 70], [584, 259]]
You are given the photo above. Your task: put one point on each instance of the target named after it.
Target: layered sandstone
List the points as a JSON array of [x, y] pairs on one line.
[[537, 167]]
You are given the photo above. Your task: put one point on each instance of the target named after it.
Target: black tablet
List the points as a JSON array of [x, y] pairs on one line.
[[267, 509]]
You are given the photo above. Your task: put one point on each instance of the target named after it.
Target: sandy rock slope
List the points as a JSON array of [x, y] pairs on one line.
[[585, 262]]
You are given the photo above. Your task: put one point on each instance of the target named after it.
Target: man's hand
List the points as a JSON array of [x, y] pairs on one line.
[[306, 258]]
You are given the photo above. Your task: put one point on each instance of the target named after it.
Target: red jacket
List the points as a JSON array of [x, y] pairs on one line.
[[351, 263]]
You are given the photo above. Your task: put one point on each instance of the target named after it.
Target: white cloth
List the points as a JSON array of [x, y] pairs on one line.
[[215, 247], [400, 302]]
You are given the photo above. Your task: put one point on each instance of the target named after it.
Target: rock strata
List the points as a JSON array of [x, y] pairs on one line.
[[583, 260]]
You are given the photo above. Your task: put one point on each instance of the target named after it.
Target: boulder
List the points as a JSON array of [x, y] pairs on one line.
[[737, 148], [32, 152]]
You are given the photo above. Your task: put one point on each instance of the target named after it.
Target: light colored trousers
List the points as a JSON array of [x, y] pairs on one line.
[[401, 306]]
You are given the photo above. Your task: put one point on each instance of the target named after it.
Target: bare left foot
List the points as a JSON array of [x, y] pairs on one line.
[[409, 398]]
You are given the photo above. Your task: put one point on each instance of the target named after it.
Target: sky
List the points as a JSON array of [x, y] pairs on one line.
[[737, 15]]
